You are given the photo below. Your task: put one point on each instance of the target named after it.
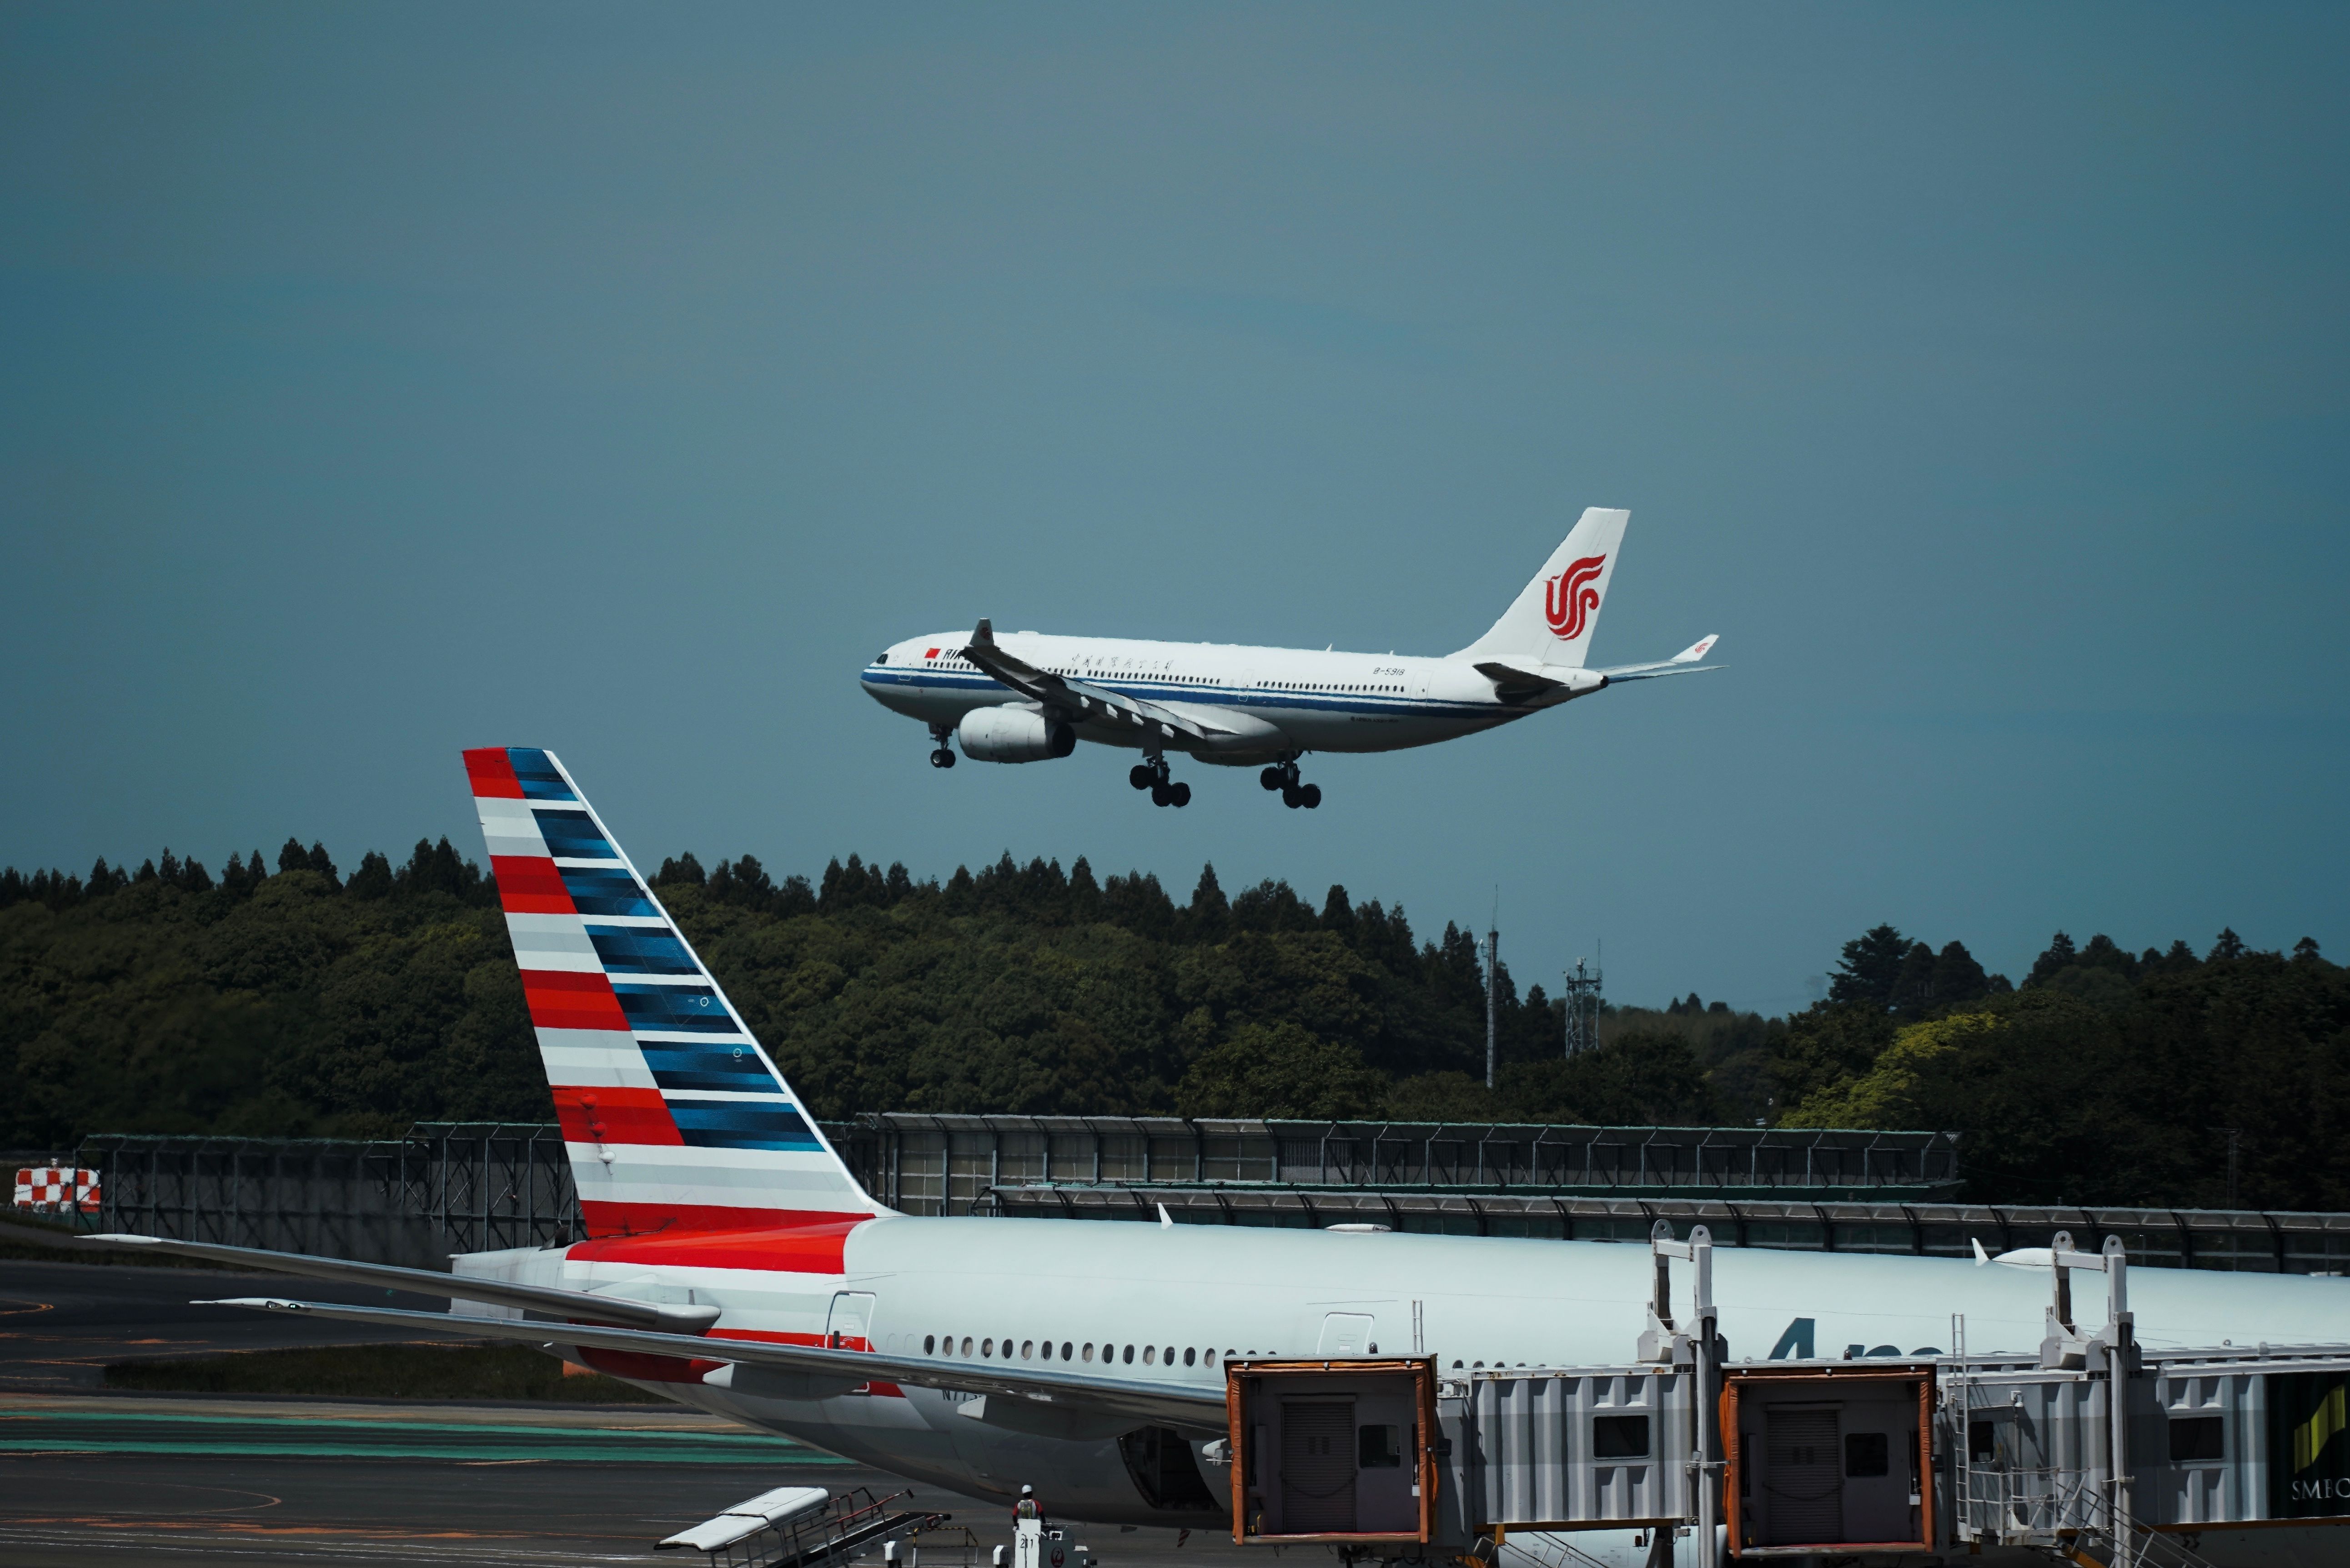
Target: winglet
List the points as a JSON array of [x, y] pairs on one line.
[[1696, 650], [1165, 1220], [1982, 1257]]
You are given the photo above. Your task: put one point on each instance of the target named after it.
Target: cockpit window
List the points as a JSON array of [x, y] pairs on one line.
[[880, 658]]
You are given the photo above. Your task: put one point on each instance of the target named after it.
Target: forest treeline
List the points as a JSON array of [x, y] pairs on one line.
[[294, 1000]]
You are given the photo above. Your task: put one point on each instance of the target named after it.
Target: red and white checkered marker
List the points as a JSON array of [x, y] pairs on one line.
[[56, 1189]]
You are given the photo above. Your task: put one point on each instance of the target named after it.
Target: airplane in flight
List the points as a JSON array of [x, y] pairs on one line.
[[1028, 697], [733, 1262]]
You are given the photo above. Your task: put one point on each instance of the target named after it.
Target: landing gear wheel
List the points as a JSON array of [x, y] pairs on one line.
[[1140, 776], [1309, 796], [942, 758], [1271, 778], [1292, 798], [1160, 795], [1179, 794]]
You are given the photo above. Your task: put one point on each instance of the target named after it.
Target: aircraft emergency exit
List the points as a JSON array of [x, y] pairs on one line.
[[733, 1262], [1028, 697]]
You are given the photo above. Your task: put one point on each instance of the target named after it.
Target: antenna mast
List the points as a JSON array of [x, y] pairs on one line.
[[1582, 994], [1492, 988]]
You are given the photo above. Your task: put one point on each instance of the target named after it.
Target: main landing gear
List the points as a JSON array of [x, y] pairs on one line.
[[1151, 774], [1283, 776], [944, 757]]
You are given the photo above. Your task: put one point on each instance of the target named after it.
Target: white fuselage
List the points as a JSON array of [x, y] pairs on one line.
[[1275, 702], [1069, 1292]]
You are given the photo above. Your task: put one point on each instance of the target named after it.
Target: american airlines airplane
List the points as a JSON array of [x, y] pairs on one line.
[[1027, 697], [733, 1261]]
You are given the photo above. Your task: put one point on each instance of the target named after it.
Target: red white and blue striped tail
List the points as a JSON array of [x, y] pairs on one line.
[[673, 1117]]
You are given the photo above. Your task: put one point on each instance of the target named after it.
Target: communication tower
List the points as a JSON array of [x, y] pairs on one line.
[[1492, 997], [1582, 994]]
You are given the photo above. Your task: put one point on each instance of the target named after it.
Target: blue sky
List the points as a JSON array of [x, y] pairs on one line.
[[380, 380]]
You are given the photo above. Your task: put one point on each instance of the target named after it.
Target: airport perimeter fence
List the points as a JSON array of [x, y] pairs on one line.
[[447, 1188], [2245, 1240], [923, 1164], [442, 1188]]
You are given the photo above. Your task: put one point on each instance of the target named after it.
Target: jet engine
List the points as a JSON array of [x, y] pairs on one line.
[[1011, 735]]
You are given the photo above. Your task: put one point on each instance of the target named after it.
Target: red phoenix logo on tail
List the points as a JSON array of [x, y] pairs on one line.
[[1569, 599]]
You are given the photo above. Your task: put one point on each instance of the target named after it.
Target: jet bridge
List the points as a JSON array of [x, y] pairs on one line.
[[2094, 1450]]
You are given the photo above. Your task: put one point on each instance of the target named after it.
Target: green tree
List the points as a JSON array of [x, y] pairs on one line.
[[1281, 1070]]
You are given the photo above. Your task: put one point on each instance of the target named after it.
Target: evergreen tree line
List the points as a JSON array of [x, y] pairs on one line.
[[300, 1001]]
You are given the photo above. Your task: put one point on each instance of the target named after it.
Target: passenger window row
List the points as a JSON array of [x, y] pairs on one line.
[[990, 1348]]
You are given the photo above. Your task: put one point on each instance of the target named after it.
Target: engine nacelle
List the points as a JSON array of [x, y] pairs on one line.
[[1012, 736]]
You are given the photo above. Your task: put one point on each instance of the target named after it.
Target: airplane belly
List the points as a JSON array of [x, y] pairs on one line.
[[924, 1437]]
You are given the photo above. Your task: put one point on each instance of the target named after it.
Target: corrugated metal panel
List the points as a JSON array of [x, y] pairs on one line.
[[2204, 1491], [1544, 1442]]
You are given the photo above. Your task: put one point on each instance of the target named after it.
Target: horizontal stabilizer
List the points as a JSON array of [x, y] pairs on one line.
[[1685, 662], [432, 1283], [1515, 680], [1200, 1411]]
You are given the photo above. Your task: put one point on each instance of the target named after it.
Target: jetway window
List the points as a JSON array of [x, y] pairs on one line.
[[1379, 1448], [1619, 1436], [2199, 1438], [1865, 1454]]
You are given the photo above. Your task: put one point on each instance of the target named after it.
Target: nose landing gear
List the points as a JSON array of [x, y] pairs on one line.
[[1151, 774], [944, 757], [1283, 776]]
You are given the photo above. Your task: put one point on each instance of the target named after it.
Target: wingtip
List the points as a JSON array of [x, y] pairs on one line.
[[1698, 649]]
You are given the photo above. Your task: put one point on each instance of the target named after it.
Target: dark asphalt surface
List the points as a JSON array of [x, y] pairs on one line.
[[60, 1323], [92, 1477]]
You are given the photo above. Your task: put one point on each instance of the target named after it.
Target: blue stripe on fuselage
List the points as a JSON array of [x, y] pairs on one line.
[[1225, 696]]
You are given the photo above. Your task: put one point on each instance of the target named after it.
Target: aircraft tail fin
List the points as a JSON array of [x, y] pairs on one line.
[[1553, 616], [673, 1117]]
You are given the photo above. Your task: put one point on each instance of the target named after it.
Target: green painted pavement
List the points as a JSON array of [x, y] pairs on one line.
[[305, 1437]]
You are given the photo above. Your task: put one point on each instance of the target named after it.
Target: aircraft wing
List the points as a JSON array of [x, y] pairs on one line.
[[590, 1305], [1082, 699], [1685, 662], [1188, 1408]]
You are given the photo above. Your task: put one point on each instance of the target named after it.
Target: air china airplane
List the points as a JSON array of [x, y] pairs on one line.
[[733, 1262], [1027, 697]]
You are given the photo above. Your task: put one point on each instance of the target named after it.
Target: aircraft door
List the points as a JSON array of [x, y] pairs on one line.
[[1317, 1467], [1807, 1475], [850, 1324], [1348, 1333]]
